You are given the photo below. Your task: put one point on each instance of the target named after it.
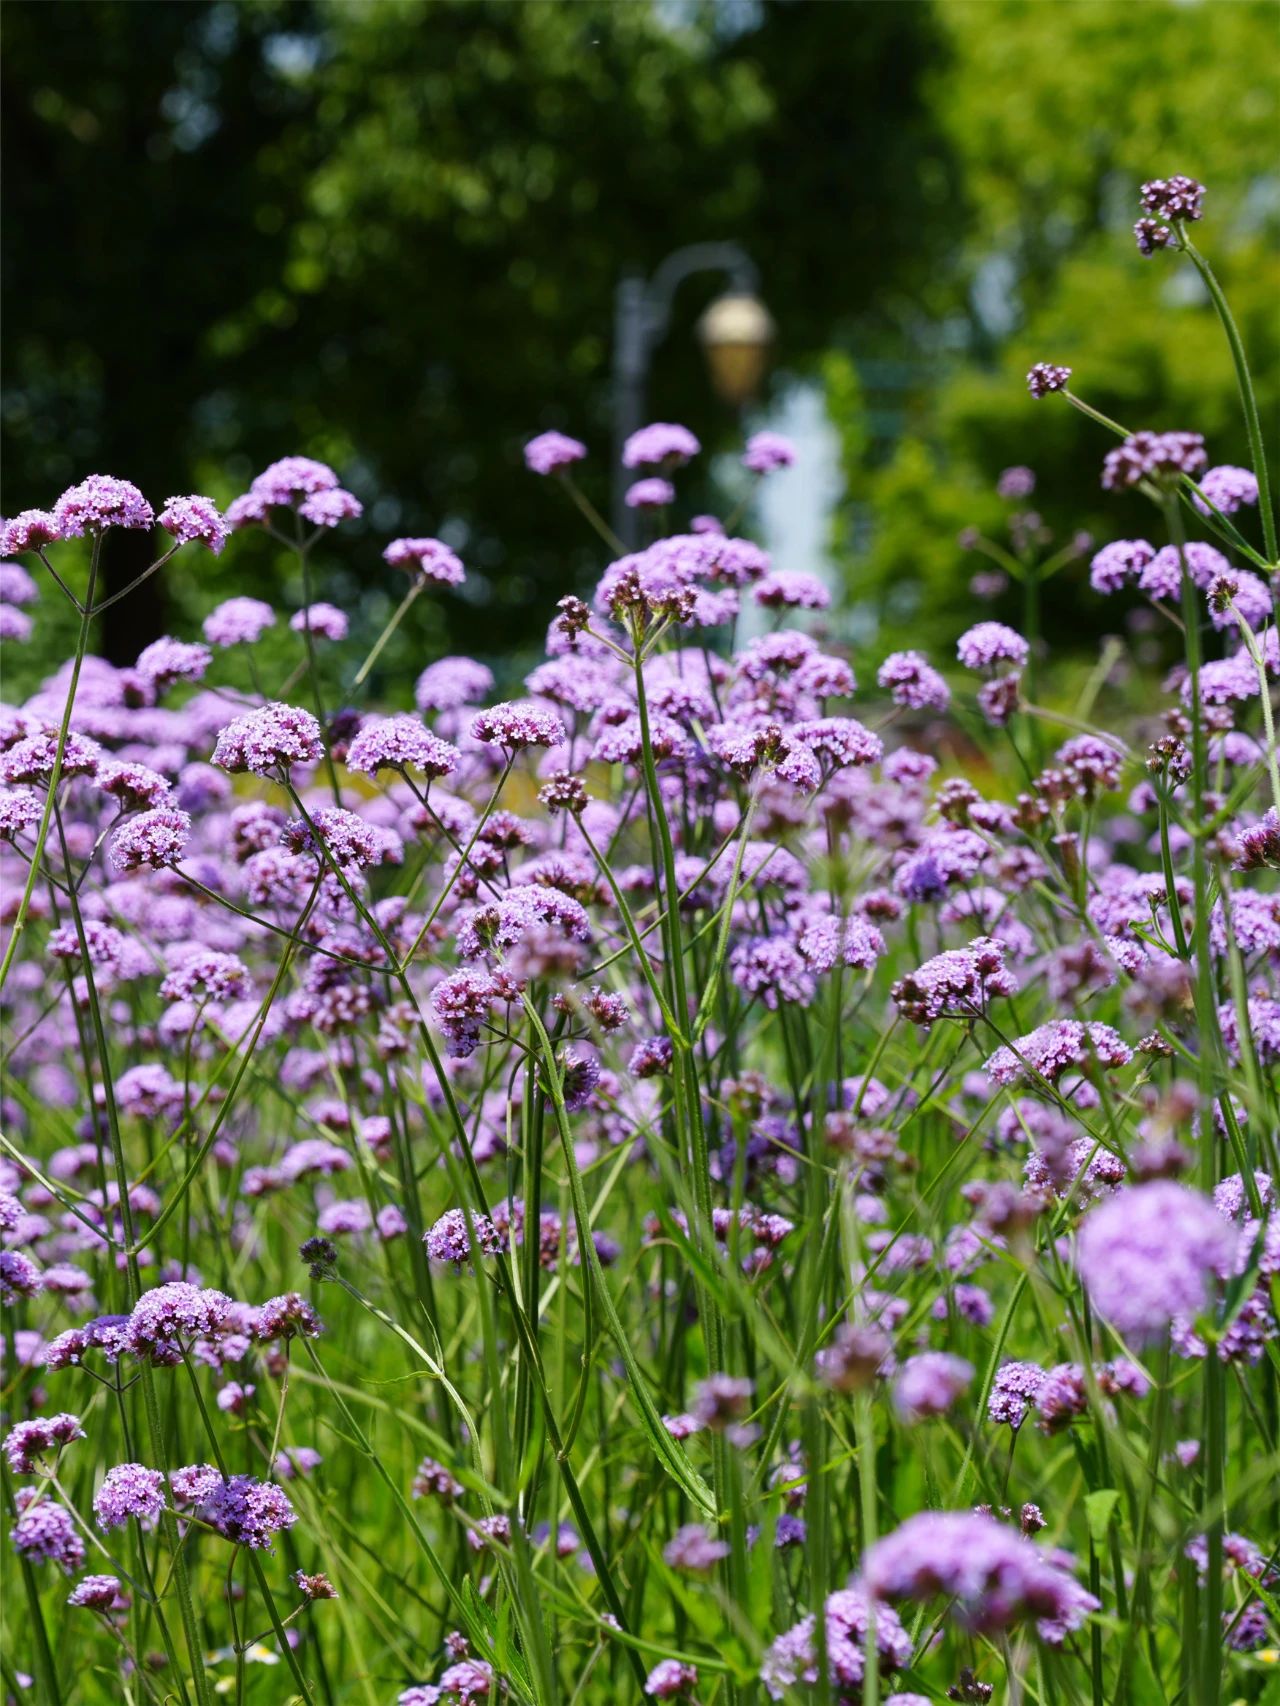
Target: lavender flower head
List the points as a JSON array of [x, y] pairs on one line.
[[514, 726], [793, 1659], [169, 1316], [767, 451], [326, 620], [994, 1578], [96, 1593], [29, 1444], [129, 1490], [45, 1532], [401, 743], [1162, 457], [911, 681], [990, 643], [1152, 1252], [670, 1678], [275, 737], [427, 560], [550, 452], [99, 502], [929, 1384], [663, 444], [1227, 489], [653, 493], [1045, 376], [195, 519], [238, 622], [151, 841], [1055, 1048]]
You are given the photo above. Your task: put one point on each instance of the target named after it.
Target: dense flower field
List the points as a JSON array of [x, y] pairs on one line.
[[665, 1186]]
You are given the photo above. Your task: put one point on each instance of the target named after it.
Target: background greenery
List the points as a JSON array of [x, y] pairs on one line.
[[388, 234]]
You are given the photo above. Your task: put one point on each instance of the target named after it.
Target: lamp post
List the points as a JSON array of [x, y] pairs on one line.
[[735, 331]]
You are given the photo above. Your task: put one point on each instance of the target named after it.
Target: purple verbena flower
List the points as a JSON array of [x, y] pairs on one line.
[[129, 1490], [195, 519], [550, 452], [427, 560], [663, 444], [767, 451]]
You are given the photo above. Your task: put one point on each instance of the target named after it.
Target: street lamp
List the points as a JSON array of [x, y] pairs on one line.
[[735, 333]]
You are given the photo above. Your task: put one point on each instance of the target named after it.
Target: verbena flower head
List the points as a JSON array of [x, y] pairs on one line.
[[911, 681], [450, 683], [791, 589], [653, 493], [550, 452], [238, 622], [1016, 483], [292, 478], [929, 1384], [959, 982], [1059, 1046], [167, 660], [30, 1445], [670, 1678], [847, 1617], [328, 509], [1162, 457], [1227, 489], [663, 444], [195, 519], [1118, 564], [1152, 1252], [515, 727], [286, 1317], [990, 643], [994, 1578], [28, 531], [401, 743], [325, 620], [16, 585], [151, 841], [45, 1532], [767, 451], [97, 503], [427, 560], [247, 1512], [96, 1593], [1046, 376], [129, 1490], [1174, 198], [170, 1316], [276, 737]]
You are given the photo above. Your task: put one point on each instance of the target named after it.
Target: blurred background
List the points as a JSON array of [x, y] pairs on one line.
[[391, 234]]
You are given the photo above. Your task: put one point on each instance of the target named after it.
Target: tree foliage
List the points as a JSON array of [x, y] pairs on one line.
[[1055, 115], [389, 235]]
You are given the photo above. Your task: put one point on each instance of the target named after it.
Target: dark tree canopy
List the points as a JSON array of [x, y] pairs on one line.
[[389, 235]]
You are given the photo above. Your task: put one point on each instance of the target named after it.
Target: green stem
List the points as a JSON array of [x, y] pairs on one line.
[[1253, 424], [46, 817]]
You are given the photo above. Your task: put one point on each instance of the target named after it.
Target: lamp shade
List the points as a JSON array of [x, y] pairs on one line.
[[736, 331]]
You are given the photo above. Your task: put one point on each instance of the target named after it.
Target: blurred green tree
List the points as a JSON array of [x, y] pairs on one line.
[[1055, 115], [388, 234]]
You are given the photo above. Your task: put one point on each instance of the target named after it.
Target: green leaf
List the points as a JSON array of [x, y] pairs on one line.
[[1099, 1508]]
